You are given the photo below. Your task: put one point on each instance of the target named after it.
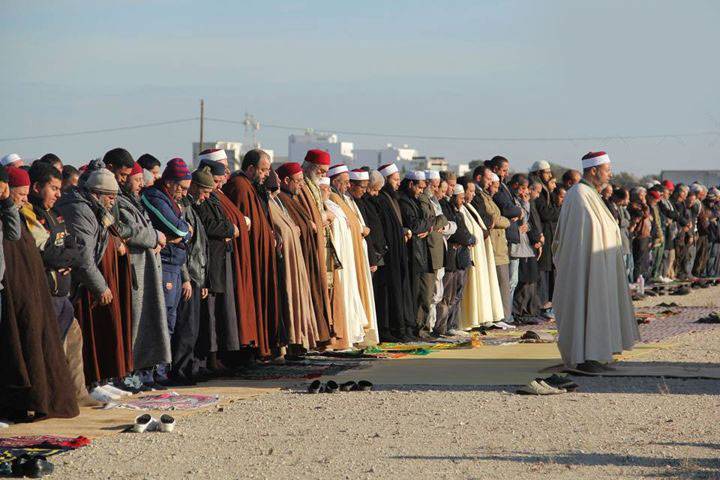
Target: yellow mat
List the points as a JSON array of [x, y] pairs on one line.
[[95, 422], [511, 364]]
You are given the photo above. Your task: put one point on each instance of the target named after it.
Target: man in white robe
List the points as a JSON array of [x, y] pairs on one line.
[[594, 311]]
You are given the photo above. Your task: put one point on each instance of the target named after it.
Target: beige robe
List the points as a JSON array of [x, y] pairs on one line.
[[301, 322], [362, 265], [351, 329], [592, 303], [482, 302]]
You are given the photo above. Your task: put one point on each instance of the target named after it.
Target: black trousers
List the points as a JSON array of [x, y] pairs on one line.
[[185, 336]]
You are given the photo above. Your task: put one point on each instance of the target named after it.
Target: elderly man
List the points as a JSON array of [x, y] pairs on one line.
[[106, 341], [245, 189], [571, 178], [595, 315]]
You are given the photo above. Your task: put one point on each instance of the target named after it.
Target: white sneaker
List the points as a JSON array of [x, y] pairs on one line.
[[144, 423], [116, 391], [458, 333], [166, 424], [504, 326], [102, 395]]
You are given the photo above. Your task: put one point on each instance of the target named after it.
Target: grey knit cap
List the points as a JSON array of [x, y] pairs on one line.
[[102, 181]]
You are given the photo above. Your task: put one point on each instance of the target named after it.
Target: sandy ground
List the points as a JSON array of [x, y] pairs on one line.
[[610, 428]]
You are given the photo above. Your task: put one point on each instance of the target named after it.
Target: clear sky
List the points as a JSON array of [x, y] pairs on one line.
[[533, 68]]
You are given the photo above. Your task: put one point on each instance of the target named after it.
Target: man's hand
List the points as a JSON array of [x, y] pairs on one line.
[[186, 290], [64, 271], [162, 239], [248, 222], [523, 228], [192, 232], [423, 235], [408, 235], [106, 297], [373, 268], [203, 293], [121, 249], [236, 232], [366, 231]]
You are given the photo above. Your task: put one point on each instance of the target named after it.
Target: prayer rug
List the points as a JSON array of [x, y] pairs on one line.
[[45, 445], [300, 369], [168, 401]]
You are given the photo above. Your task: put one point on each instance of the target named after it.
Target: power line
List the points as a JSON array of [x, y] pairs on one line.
[[100, 130], [482, 139], [715, 133]]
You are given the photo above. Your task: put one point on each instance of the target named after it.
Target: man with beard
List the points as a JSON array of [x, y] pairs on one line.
[[300, 204], [219, 326], [298, 309], [394, 300], [150, 336], [594, 311], [420, 224], [245, 190]]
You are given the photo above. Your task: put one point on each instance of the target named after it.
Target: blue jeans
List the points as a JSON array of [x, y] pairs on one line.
[[172, 287]]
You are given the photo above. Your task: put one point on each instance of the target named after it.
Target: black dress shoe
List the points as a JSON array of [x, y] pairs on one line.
[[315, 387], [331, 386]]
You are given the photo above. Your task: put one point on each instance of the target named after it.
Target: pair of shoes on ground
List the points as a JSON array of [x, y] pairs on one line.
[[457, 333], [553, 385], [36, 466], [714, 317], [148, 423], [108, 393], [332, 387]]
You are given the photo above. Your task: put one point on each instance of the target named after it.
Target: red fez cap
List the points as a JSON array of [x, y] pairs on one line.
[[18, 177], [669, 185], [318, 157], [136, 170], [655, 194], [288, 169]]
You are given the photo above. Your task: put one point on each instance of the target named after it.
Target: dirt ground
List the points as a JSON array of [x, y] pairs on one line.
[[610, 428]]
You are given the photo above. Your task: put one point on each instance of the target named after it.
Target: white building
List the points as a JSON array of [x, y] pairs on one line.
[[462, 169], [372, 157], [430, 163], [233, 150], [298, 146]]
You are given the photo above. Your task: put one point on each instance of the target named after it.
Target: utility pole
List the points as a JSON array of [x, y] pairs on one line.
[[202, 123]]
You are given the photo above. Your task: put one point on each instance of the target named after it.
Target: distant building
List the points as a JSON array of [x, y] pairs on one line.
[[430, 163], [371, 157], [233, 150], [462, 169], [706, 177], [298, 145]]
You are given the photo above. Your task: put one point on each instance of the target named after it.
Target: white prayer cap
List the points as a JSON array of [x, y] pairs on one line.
[[593, 159], [494, 177], [415, 176], [539, 165], [697, 187], [214, 154], [324, 181], [458, 189], [432, 175], [388, 169], [10, 158], [359, 175], [337, 170]]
